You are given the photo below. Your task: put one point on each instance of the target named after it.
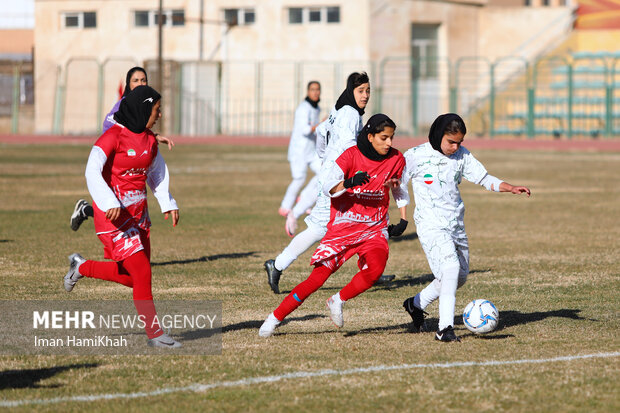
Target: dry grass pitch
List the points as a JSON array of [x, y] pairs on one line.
[[549, 263]]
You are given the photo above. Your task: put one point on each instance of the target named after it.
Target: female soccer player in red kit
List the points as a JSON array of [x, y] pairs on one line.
[[358, 184], [123, 160]]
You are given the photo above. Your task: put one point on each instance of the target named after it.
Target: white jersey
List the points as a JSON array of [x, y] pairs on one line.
[[435, 179], [323, 133], [335, 135], [303, 140]]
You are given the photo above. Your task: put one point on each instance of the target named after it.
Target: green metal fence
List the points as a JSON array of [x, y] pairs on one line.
[[573, 96], [16, 97]]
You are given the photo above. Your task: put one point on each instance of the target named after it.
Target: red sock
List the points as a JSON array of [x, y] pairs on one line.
[[134, 272], [139, 267], [317, 278], [375, 261], [106, 270]]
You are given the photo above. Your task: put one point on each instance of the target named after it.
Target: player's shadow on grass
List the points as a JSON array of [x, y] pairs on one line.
[[411, 281], [21, 379], [207, 258], [244, 325], [512, 318], [408, 237], [398, 282]]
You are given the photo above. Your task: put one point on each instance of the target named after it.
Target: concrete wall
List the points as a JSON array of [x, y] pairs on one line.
[[368, 32]]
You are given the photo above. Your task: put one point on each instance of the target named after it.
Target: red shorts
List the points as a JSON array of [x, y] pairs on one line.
[[119, 245], [335, 261]]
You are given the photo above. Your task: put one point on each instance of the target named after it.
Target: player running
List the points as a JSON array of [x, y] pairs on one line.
[[302, 155], [136, 76], [435, 170], [358, 183], [123, 160], [334, 136]]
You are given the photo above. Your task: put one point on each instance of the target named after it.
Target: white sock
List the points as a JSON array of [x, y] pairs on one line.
[[295, 248], [307, 198], [291, 192], [337, 299], [447, 295], [427, 295]]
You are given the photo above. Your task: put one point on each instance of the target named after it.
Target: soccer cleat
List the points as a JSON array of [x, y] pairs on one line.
[[417, 314], [273, 275], [335, 312], [78, 215], [73, 275], [446, 335], [291, 224], [283, 211], [269, 326], [164, 341]]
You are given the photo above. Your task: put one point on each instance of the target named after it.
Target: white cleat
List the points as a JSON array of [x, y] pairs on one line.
[[335, 311], [164, 341], [291, 224], [269, 326], [73, 275]]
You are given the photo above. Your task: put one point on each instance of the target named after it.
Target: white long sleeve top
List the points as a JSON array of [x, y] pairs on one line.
[[303, 139], [435, 179]]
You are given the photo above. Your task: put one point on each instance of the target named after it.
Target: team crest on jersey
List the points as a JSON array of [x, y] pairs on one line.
[[131, 152], [428, 179]]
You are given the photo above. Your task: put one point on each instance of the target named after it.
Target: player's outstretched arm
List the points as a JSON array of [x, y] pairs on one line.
[[506, 187]]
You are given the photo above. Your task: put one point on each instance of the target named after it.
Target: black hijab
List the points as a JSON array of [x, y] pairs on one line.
[[450, 123], [347, 97], [313, 103], [130, 74], [375, 124], [135, 110]]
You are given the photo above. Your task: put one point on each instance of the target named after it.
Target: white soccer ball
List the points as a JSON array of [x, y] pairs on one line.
[[480, 316]]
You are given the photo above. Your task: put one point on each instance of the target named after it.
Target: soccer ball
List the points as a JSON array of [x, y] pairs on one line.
[[480, 316]]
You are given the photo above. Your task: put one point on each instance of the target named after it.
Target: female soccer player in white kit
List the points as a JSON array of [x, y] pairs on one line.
[[435, 170], [302, 155], [334, 136]]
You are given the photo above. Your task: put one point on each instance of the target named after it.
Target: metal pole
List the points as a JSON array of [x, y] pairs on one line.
[[160, 37], [160, 58], [99, 126], [16, 98], [492, 101], [202, 21]]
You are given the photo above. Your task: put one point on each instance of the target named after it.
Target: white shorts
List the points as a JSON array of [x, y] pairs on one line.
[[443, 247]]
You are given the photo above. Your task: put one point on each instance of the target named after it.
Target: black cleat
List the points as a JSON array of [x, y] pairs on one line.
[[447, 335], [79, 214], [417, 314], [273, 275], [385, 279]]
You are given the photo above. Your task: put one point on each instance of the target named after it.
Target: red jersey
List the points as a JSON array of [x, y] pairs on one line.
[[360, 213], [129, 156]]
